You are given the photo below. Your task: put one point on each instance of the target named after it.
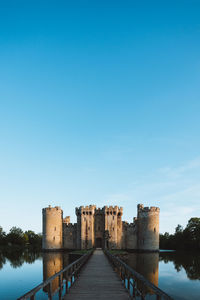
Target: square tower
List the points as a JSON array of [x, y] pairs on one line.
[[85, 226]]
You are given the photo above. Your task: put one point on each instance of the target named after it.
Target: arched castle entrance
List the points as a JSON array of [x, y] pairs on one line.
[[99, 243]]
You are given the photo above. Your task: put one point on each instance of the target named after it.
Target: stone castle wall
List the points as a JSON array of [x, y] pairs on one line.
[[69, 236], [148, 228], [99, 228], [130, 236], [113, 225], [85, 235], [52, 228], [103, 228]]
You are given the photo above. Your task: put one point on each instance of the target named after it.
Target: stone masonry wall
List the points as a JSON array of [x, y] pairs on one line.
[[111, 224], [52, 228], [86, 226], [148, 228], [130, 233], [69, 236]]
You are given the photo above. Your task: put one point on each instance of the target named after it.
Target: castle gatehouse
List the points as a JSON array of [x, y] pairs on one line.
[[101, 228]]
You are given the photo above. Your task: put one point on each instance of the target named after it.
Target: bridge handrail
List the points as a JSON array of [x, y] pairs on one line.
[[71, 269], [130, 273]]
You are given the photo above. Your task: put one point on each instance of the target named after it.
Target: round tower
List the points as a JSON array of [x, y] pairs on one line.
[[148, 228], [52, 228]]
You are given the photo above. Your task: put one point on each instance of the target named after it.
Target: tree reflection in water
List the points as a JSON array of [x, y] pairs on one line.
[[187, 260], [17, 256]]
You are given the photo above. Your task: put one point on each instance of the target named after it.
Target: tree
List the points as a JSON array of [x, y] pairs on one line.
[[16, 236], [188, 238], [178, 239], [192, 234], [178, 229], [33, 238], [2, 236]]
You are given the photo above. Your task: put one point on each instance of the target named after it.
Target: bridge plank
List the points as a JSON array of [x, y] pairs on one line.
[[97, 281]]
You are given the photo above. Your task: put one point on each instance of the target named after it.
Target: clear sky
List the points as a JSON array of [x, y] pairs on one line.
[[99, 104]]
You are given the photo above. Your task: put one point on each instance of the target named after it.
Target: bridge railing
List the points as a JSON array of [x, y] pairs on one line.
[[138, 286], [65, 277]]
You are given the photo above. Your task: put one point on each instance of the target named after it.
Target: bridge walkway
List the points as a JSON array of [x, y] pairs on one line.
[[97, 281]]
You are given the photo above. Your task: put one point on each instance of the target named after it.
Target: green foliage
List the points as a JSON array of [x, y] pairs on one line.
[[2, 236], [33, 238], [16, 237], [187, 239]]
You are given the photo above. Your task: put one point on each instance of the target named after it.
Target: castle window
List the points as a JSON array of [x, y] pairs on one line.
[[113, 228], [84, 212], [114, 213], [111, 212], [119, 214], [55, 228], [89, 228], [90, 212], [154, 229], [107, 212], [54, 238]]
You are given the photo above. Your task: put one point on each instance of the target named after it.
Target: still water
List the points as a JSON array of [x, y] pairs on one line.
[[176, 274]]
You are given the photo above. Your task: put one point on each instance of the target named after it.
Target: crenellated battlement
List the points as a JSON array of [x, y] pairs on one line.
[[85, 210], [113, 210], [71, 225], [142, 209], [66, 220], [51, 209], [129, 225], [99, 211]]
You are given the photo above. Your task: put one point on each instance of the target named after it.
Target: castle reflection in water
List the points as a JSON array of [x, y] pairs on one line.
[[147, 265], [144, 263], [53, 262]]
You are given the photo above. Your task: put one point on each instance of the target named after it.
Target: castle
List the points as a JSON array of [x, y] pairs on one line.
[[101, 228]]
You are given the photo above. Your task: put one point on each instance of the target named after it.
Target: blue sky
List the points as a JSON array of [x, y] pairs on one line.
[[99, 104]]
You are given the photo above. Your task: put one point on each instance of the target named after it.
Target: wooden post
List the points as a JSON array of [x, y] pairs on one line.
[[50, 290], [60, 287], [128, 285]]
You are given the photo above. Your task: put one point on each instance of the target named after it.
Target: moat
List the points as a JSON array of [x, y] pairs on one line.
[[178, 274]]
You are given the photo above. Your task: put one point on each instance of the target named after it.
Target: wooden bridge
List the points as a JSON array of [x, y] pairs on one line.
[[98, 275], [98, 280]]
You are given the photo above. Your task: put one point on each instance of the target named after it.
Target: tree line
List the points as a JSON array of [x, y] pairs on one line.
[[187, 238], [16, 237]]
